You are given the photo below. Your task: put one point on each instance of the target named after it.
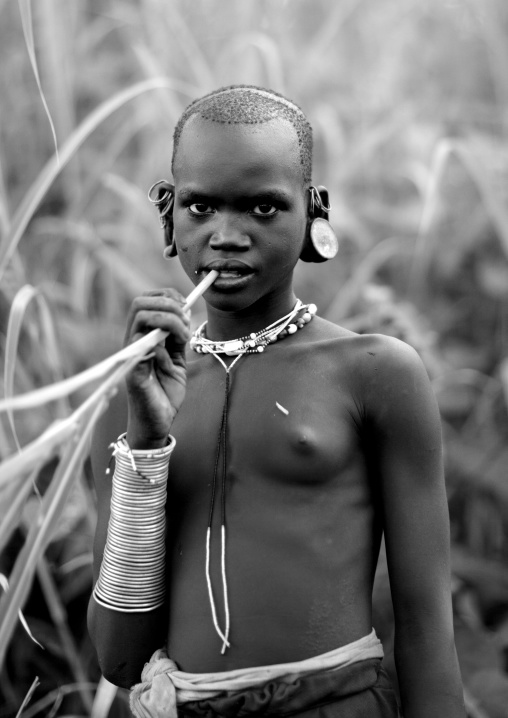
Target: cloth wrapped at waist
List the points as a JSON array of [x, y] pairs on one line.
[[281, 689]]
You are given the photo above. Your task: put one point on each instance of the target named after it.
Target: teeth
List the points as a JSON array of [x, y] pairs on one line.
[[229, 273]]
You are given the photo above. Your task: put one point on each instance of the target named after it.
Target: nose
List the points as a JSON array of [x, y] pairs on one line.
[[228, 234]]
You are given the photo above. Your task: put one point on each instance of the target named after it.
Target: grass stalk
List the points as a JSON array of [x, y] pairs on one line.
[[104, 697], [268, 51], [59, 618], [12, 501], [130, 355], [28, 697], [52, 696], [47, 341], [41, 531], [425, 246], [4, 208], [344, 300], [42, 396], [319, 44], [25, 9], [54, 166]]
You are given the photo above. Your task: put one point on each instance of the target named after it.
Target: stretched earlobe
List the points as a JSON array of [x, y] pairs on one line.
[[169, 251], [321, 242], [162, 195]]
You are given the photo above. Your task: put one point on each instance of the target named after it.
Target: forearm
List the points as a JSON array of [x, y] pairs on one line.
[[127, 615], [124, 642], [428, 674]]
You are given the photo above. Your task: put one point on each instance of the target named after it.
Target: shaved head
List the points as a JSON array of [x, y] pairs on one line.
[[250, 105]]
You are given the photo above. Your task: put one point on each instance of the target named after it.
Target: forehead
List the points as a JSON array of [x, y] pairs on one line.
[[219, 153]]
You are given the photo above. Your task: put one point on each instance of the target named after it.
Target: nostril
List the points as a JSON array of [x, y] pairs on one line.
[[229, 239]]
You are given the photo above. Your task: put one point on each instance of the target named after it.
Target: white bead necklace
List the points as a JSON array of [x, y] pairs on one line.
[[256, 341]]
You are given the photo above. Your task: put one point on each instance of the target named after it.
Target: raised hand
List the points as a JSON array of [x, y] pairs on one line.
[[156, 386]]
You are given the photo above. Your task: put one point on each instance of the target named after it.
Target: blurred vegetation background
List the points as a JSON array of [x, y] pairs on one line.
[[409, 102]]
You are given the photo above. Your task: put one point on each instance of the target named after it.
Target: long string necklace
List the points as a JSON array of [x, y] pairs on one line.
[[256, 342]]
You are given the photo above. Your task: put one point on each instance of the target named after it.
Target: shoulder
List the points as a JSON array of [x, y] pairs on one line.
[[375, 353], [369, 354], [386, 376], [393, 387]]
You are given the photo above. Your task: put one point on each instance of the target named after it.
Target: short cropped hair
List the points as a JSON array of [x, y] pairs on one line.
[[248, 105]]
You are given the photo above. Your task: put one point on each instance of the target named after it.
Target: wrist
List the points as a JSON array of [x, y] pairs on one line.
[[146, 433], [140, 439], [139, 442]]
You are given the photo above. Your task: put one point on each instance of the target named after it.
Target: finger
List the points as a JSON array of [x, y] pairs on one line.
[[147, 319], [170, 370], [169, 365], [160, 301], [165, 292]]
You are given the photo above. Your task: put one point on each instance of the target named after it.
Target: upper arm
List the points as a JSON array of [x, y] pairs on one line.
[[406, 433]]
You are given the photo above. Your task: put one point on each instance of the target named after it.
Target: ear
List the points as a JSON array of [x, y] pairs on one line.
[[166, 216], [162, 195], [321, 242], [321, 209]]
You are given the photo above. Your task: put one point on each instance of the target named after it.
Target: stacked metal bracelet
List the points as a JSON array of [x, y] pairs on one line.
[[132, 575]]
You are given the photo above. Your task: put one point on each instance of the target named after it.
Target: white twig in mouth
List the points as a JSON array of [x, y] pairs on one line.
[[281, 408]]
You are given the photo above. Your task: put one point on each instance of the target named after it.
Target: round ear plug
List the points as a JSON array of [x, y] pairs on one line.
[[323, 238]]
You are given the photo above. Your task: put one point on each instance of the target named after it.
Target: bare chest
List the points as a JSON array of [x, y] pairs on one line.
[[289, 423]]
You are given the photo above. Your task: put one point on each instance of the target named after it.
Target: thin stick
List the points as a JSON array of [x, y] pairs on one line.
[[93, 373], [201, 288]]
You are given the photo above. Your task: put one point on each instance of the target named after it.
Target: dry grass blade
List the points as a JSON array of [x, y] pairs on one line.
[[78, 381], [344, 300], [47, 341], [48, 443], [268, 51], [16, 316], [59, 618], [41, 531], [189, 46], [504, 379], [25, 9], [4, 210], [425, 246], [324, 38], [12, 500], [28, 697], [5, 585], [131, 353], [104, 698], [53, 167], [490, 196], [54, 695], [80, 425], [36, 453]]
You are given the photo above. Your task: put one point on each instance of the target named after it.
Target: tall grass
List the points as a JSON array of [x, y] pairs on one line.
[[410, 136]]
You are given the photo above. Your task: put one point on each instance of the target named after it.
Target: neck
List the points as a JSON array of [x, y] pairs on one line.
[[223, 325]]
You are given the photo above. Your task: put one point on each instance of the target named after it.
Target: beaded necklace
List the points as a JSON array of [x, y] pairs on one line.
[[253, 343]]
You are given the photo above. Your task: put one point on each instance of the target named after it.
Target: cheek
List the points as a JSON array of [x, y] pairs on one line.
[[290, 239]]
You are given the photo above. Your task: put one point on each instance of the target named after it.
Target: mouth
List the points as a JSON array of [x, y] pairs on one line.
[[232, 273]]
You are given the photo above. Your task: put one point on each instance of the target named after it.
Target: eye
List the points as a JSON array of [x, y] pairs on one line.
[[200, 208], [264, 210]]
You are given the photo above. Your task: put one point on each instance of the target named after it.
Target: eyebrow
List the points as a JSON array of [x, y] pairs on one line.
[[272, 194]]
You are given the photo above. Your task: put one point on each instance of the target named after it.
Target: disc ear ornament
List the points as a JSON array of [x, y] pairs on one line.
[[323, 238]]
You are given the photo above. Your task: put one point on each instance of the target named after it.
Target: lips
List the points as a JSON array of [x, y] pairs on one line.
[[233, 274], [229, 267]]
